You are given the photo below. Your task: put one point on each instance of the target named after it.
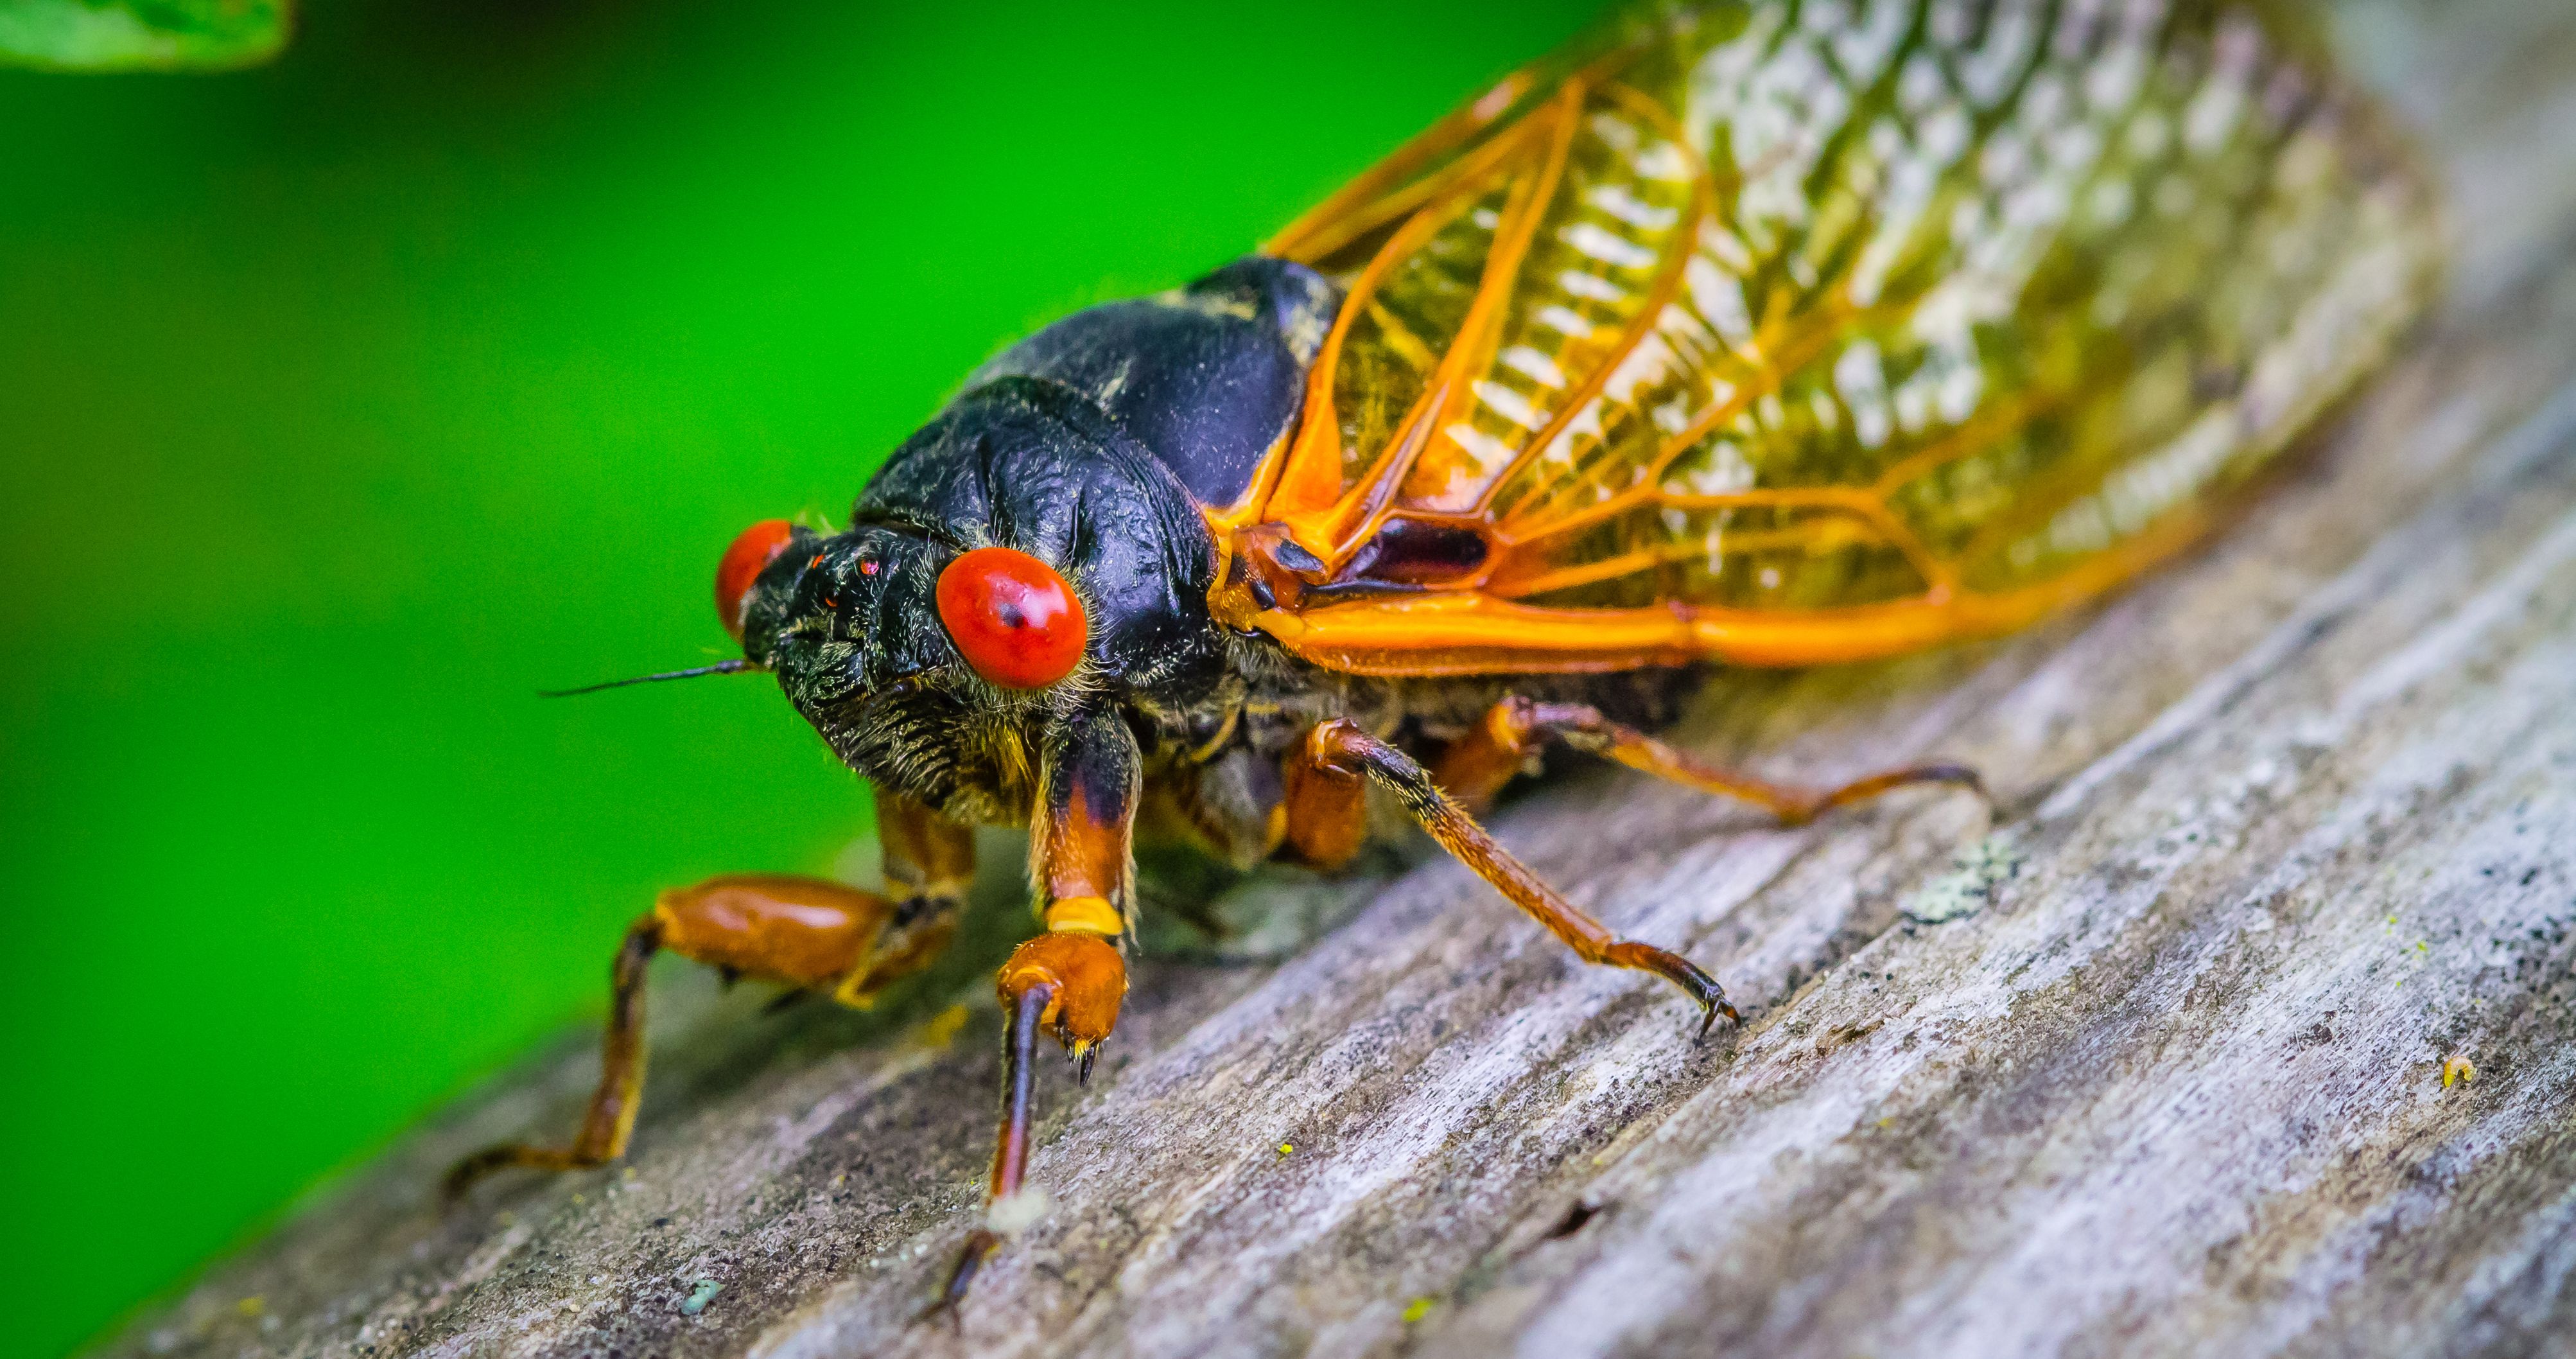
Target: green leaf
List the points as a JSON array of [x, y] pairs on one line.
[[142, 35]]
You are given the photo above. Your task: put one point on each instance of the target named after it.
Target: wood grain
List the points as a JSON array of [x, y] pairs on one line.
[[2280, 832]]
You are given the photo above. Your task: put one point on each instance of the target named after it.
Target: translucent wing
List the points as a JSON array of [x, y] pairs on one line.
[[1784, 333]]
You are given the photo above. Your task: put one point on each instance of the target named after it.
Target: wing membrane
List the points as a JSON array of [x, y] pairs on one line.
[[1800, 332]]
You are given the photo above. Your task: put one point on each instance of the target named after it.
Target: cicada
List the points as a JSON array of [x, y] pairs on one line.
[[1739, 334]]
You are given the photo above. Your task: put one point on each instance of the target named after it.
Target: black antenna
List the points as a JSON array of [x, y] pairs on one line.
[[719, 668]]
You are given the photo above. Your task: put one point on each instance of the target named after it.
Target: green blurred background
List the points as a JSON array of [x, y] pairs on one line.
[[345, 402]]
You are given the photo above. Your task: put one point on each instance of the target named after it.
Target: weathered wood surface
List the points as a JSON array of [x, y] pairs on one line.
[[2280, 832]]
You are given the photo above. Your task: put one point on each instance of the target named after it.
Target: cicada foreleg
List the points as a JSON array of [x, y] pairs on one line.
[[807, 933], [1340, 749], [1476, 766], [1067, 983]]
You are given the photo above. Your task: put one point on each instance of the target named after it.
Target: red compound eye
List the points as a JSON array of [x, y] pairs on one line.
[[751, 551], [1013, 617]]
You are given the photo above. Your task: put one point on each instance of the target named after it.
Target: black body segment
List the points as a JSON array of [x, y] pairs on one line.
[[1029, 464], [1209, 377]]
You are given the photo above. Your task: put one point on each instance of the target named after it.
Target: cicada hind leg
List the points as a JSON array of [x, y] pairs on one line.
[[1324, 811], [809, 934], [1476, 767]]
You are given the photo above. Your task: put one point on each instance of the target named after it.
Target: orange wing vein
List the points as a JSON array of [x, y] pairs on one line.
[[1780, 335]]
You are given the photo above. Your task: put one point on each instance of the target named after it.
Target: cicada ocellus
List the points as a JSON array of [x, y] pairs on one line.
[[1757, 334]]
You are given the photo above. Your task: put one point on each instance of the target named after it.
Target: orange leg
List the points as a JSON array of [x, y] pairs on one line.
[[926, 854], [932, 860], [611, 1116], [1476, 767], [1342, 749], [1065, 984], [1326, 811], [806, 933], [1068, 982]]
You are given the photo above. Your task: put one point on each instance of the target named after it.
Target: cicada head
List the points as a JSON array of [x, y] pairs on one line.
[[1015, 561]]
